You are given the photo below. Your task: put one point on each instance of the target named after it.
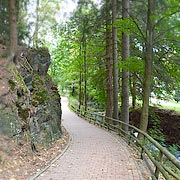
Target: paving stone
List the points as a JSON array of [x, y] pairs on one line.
[[93, 154]]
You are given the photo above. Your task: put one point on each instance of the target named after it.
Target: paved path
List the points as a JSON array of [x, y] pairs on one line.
[[93, 154]]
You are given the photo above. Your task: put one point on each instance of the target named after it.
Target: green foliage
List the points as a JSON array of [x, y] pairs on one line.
[[177, 96], [73, 101], [41, 20], [21, 21], [87, 26], [12, 84], [127, 26], [174, 149], [134, 64], [157, 134], [80, 47], [155, 131], [4, 21]]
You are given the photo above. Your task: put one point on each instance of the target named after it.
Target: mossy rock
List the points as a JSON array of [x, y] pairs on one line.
[[39, 59], [39, 96], [40, 51], [37, 81], [12, 84], [22, 113]]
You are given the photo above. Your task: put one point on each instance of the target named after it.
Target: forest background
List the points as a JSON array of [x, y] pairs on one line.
[[112, 56]]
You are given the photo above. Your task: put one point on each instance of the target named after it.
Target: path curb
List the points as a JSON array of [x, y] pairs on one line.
[[55, 159]]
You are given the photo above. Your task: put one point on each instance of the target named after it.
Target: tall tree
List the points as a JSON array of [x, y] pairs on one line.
[[92, 47], [125, 74], [109, 83], [115, 61], [13, 30], [4, 21], [84, 46], [41, 19], [148, 67], [36, 29]]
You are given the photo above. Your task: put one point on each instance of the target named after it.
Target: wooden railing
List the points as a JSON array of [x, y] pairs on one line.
[[160, 162]]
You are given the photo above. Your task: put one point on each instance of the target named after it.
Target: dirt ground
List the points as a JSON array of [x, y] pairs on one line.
[[169, 123], [18, 162]]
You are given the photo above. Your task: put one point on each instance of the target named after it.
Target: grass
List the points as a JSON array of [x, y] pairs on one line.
[[73, 100], [171, 105]]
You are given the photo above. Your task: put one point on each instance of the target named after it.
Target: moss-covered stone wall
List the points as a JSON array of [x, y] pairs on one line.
[[31, 102]]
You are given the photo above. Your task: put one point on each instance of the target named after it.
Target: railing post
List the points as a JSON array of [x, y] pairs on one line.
[[95, 119], [106, 122], [103, 124], [142, 139], [131, 133], [101, 121], [90, 116], [160, 161], [119, 128]]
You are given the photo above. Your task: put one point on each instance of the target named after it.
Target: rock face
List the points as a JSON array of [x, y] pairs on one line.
[[29, 101]]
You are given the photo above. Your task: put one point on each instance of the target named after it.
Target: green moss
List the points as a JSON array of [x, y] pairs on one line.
[[17, 76], [3, 55], [12, 84], [37, 81], [22, 113], [40, 96], [41, 51]]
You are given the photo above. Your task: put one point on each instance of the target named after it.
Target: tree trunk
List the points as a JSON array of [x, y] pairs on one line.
[[85, 77], [80, 80], [109, 87], [115, 61], [125, 73], [80, 90], [13, 30], [148, 69], [84, 74], [36, 31], [132, 80]]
